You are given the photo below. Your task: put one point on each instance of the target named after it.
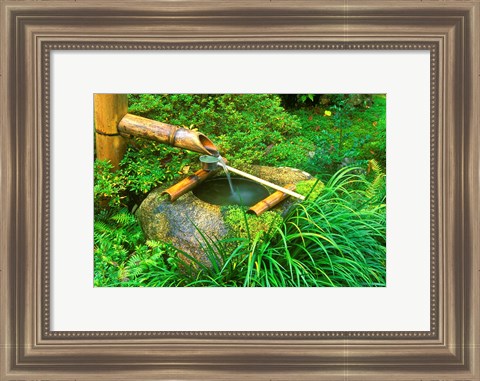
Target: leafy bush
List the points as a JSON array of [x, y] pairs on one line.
[[292, 153], [243, 126], [146, 165], [345, 134], [295, 101], [336, 130], [108, 187]]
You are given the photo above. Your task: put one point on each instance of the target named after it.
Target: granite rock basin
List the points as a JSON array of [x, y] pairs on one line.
[[178, 222]]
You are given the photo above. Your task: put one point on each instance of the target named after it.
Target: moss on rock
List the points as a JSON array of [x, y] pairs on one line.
[[241, 224], [311, 188]]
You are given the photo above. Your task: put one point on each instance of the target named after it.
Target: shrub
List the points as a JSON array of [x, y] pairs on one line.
[[295, 101], [109, 186], [346, 135], [243, 126], [293, 152], [146, 165]]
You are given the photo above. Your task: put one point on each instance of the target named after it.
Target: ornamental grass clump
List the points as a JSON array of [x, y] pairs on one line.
[[336, 239], [339, 237]]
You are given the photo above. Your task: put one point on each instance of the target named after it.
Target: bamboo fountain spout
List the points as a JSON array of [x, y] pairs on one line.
[[132, 125]]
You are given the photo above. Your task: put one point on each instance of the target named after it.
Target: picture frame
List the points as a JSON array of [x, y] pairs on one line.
[[30, 350]]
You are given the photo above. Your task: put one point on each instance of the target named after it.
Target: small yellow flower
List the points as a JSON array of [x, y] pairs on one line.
[[328, 113]]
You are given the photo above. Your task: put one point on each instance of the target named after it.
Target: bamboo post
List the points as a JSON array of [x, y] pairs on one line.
[[109, 111]]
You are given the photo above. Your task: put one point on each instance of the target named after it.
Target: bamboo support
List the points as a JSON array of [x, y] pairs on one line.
[[265, 182], [132, 125], [109, 109], [187, 184], [269, 202]]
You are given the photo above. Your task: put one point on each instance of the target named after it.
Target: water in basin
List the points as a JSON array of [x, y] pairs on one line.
[[217, 191]]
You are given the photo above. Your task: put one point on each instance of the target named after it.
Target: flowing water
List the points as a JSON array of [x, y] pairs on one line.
[[228, 190], [223, 164]]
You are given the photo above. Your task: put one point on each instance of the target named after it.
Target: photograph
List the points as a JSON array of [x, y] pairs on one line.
[[197, 190], [240, 190]]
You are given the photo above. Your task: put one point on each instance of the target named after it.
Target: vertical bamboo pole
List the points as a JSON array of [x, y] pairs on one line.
[[109, 110]]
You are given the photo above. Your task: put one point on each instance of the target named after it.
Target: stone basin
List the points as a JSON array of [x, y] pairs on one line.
[[177, 222]]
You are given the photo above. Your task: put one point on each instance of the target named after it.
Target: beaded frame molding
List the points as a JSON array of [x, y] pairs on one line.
[[392, 46], [31, 30]]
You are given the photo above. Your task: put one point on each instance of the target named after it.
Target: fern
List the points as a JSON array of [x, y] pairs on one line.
[[121, 254], [124, 218], [376, 189]]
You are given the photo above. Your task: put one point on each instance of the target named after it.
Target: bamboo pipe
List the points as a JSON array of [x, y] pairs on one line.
[[187, 184], [132, 125], [269, 202], [265, 182]]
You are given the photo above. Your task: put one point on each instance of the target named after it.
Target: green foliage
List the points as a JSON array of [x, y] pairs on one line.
[[338, 238], [333, 131], [243, 126], [146, 165], [108, 185], [303, 97], [120, 251], [377, 189], [296, 101], [352, 134], [291, 153], [334, 238]]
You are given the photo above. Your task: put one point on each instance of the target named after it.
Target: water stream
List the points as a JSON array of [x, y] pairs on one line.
[[223, 164]]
